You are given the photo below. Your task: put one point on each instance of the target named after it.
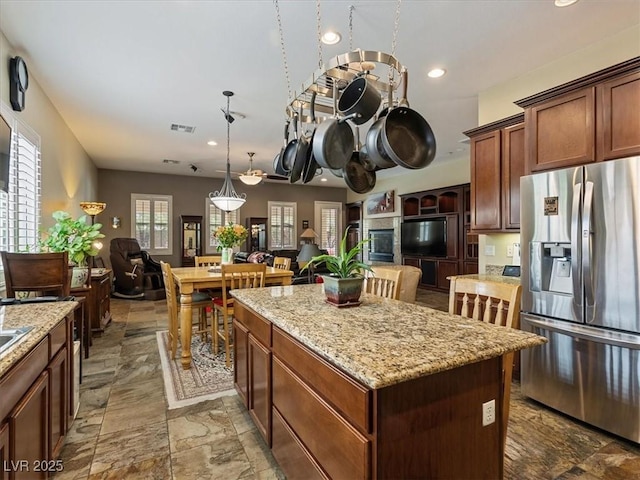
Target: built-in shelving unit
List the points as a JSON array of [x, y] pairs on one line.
[[453, 204]]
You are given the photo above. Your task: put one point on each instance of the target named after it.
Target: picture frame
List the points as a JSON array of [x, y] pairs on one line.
[[381, 203]]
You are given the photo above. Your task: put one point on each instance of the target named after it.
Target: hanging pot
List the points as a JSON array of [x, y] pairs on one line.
[[333, 140], [376, 156], [278, 166], [357, 177], [302, 148], [359, 97], [405, 137], [366, 161]]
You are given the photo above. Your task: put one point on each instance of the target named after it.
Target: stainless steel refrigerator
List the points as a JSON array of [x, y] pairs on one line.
[[580, 236]]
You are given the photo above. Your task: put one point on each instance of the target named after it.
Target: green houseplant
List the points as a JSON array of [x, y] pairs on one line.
[[344, 285], [75, 236]]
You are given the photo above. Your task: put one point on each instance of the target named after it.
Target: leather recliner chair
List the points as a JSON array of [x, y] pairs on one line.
[[137, 275]]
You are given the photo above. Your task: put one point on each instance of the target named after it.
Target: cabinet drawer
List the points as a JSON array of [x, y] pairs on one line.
[[57, 337], [335, 444], [292, 457], [259, 327], [352, 400], [18, 380]]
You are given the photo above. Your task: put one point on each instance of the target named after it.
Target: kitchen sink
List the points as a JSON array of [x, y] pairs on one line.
[[10, 337]]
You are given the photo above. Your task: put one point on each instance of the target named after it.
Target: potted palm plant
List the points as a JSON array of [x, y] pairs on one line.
[[77, 237], [343, 286]]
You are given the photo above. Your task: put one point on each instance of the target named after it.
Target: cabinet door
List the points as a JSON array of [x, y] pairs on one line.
[[58, 390], [260, 387], [485, 181], [561, 132], [513, 168], [104, 294], [28, 424], [241, 361], [619, 118], [446, 269], [4, 450]]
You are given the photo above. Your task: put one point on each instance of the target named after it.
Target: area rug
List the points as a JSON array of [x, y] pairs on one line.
[[208, 377]]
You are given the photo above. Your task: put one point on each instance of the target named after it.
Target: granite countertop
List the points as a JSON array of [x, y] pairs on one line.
[[382, 342], [490, 278], [42, 316]]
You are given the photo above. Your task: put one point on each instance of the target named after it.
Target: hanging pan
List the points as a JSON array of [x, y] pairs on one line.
[[311, 166], [333, 139], [375, 155], [289, 155], [405, 137], [357, 177], [278, 166], [302, 148]]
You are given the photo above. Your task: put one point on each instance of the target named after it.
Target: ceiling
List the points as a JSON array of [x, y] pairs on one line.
[[120, 73]]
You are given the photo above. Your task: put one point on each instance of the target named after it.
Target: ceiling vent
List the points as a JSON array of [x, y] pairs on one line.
[[171, 162], [182, 128]]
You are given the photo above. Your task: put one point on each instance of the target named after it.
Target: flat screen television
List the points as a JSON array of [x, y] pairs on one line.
[[424, 237], [5, 152]]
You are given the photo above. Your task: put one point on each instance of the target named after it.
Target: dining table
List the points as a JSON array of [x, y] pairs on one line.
[[191, 279]]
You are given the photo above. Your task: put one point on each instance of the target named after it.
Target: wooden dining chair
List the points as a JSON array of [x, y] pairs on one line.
[[283, 263], [239, 275], [491, 302], [208, 260], [44, 273], [383, 282], [199, 301]]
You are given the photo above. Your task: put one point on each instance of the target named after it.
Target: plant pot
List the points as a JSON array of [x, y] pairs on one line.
[[79, 276], [342, 291], [227, 256]]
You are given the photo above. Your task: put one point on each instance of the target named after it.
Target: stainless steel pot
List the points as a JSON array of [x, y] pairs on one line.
[[359, 97]]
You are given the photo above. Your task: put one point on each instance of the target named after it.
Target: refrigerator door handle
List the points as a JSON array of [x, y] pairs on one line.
[[619, 339], [575, 248], [586, 244]]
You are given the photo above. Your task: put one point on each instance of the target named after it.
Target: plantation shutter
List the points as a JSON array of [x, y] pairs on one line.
[[282, 225]]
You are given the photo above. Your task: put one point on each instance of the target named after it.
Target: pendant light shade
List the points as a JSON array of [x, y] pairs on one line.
[[251, 176], [226, 199]]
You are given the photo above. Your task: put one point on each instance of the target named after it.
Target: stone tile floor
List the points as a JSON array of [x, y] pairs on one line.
[[124, 430]]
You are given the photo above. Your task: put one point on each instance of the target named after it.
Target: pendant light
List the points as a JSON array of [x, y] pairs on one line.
[[226, 199]]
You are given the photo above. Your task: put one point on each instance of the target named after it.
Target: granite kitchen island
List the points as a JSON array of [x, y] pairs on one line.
[[387, 389]]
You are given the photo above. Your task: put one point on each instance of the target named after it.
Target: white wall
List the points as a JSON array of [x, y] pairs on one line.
[[68, 174]]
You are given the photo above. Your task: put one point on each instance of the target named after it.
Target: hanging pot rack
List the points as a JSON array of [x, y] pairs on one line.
[[340, 70]]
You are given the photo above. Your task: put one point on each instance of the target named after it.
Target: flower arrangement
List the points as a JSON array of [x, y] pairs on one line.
[[229, 236]]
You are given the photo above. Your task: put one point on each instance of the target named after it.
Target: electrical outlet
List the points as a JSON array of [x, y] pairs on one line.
[[490, 250], [488, 412], [510, 250]]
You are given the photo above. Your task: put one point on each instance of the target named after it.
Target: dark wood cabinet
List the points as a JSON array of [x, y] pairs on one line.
[[37, 395], [58, 370], [190, 239], [98, 299], [354, 222], [28, 430], [252, 371], [257, 238], [590, 119], [497, 163]]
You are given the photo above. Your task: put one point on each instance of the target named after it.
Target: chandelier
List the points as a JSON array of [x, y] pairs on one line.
[[251, 176], [226, 199]]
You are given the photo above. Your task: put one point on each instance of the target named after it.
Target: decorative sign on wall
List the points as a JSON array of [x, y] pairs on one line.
[[383, 202]]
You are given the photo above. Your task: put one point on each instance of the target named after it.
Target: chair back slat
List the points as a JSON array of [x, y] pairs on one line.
[[241, 275], [172, 306], [383, 282]]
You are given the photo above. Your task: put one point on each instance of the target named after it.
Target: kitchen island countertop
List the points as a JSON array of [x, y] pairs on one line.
[[382, 342], [41, 316]]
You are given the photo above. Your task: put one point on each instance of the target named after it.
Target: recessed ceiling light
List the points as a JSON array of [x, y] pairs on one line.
[[323, 179], [436, 73], [213, 143], [564, 3], [331, 38]]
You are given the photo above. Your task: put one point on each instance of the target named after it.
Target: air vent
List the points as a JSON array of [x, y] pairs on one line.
[[182, 128], [171, 162]]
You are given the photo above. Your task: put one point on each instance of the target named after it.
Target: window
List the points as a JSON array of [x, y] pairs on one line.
[[20, 207], [328, 217], [151, 224], [282, 225], [216, 218]]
